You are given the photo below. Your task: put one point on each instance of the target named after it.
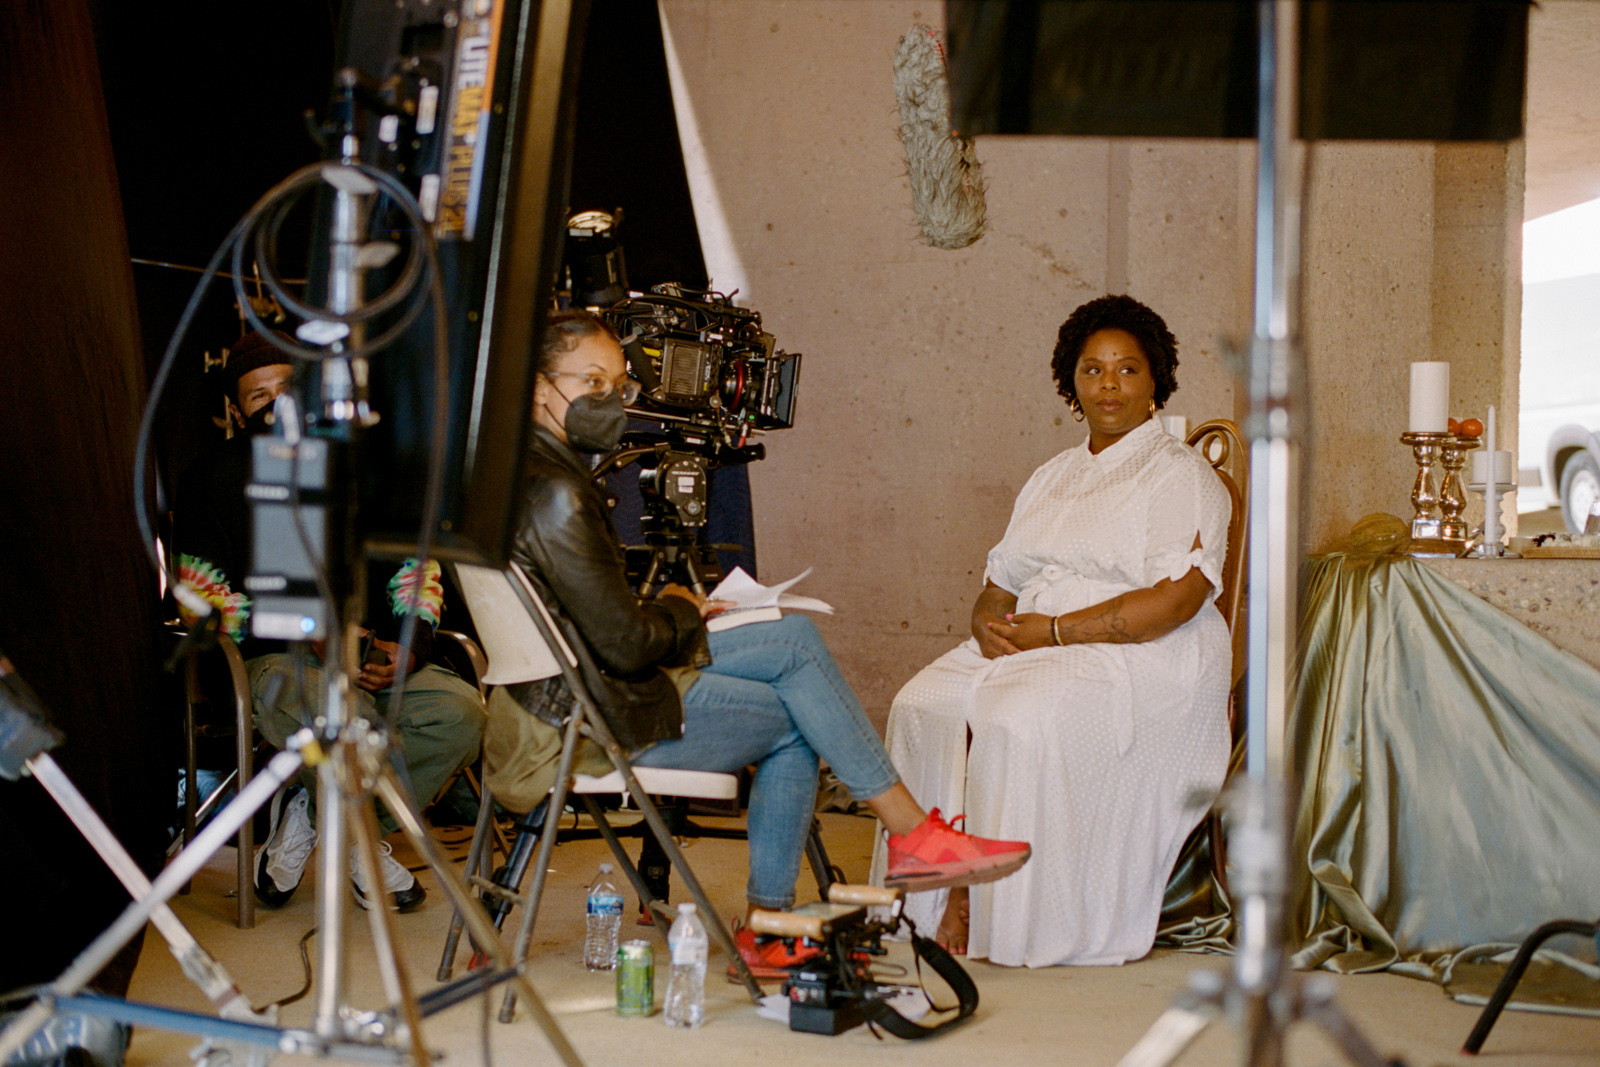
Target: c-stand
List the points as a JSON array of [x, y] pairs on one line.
[[305, 585]]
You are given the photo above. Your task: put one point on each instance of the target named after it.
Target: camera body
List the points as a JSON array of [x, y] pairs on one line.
[[705, 362]]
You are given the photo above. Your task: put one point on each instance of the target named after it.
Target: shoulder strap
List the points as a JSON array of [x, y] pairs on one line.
[[880, 1013]]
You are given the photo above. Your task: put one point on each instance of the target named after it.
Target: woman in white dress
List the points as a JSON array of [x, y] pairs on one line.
[[1088, 712]]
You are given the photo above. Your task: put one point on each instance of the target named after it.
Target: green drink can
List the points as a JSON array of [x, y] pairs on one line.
[[636, 978]]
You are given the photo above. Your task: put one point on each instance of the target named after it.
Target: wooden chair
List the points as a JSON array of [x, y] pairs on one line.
[[1221, 443]]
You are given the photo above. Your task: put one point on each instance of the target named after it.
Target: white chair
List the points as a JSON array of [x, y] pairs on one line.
[[523, 644]]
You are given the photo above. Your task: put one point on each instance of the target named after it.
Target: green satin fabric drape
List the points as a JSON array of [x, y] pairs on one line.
[[1449, 772]]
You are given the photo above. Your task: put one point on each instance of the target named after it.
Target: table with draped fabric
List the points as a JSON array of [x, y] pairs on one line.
[[1449, 761]]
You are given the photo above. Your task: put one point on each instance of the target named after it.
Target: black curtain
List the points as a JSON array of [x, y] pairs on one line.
[[625, 145], [78, 601]]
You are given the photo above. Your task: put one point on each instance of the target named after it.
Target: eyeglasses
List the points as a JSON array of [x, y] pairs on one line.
[[599, 386]]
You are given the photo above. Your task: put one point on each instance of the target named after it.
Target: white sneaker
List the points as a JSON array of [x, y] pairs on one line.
[[401, 885], [282, 860]]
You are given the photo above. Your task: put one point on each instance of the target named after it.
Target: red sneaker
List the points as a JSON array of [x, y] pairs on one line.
[[769, 958], [935, 855]]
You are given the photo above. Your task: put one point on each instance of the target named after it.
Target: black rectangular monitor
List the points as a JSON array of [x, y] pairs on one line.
[[471, 108]]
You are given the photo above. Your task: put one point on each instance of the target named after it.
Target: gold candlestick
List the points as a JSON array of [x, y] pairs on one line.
[[1452, 498], [1424, 449], [1446, 534]]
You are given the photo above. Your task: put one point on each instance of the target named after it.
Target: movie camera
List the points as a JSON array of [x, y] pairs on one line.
[[836, 991], [705, 364], [711, 378]]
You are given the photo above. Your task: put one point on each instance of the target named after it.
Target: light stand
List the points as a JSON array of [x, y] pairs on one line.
[[237, 1024], [1259, 993], [353, 760]]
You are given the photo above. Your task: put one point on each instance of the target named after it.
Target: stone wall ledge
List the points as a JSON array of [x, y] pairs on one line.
[[1557, 598]]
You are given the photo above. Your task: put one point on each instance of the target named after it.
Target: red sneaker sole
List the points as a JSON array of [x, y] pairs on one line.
[[973, 872]]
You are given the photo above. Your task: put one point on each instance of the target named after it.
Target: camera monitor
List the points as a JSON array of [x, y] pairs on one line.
[[468, 103]]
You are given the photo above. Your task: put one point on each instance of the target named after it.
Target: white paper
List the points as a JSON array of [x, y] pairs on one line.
[[912, 1003], [743, 591]]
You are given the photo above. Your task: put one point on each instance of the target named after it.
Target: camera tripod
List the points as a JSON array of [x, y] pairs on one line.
[[674, 490]]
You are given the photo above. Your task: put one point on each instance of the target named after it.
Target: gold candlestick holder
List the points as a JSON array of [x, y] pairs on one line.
[[1445, 534]]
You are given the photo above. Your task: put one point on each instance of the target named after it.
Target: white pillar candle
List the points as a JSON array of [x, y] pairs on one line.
[[1430, 397], [1177, 426], [1502, 472]]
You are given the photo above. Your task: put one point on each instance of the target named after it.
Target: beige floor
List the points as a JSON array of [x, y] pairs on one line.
[[1054, 1016]]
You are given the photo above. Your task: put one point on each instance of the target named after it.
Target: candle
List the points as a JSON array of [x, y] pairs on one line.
[[1501, 468], [1488, 446], [1430, 397], [1176, 425]]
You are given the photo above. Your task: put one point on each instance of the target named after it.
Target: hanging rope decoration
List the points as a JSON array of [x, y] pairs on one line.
[[946, 177]]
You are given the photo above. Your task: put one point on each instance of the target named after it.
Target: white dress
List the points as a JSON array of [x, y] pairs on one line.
[[1092, 753]]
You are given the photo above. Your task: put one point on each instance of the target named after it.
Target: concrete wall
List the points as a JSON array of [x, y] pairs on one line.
[[926, 397]]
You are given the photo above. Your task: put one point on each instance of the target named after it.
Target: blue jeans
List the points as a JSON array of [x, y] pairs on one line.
[[774, 697]]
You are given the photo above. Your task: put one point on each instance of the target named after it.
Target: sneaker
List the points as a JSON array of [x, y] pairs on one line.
[[769, 958], [401, 884], [281, 863], [936, 855]]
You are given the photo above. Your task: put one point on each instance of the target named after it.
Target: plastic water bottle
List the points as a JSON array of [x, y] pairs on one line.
[[603, 915], [686, 989]]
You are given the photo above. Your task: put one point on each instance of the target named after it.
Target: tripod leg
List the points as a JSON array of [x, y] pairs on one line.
[[541, 866], [530, 832], [204, 971], [1317, 1004], [183, 867], [478, 925], [396, 982], [1179, 1025], [817, 857]]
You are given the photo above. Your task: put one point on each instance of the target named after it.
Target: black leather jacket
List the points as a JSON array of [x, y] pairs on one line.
[[570, 551]]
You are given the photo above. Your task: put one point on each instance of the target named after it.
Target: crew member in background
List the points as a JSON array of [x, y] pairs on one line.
[[441, 722]]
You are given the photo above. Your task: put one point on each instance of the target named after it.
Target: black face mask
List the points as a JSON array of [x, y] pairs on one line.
[[595, 424], [260, 421]]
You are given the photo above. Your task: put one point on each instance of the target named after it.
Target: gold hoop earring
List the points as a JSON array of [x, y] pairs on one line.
[[1077, 412], [1152, 407]]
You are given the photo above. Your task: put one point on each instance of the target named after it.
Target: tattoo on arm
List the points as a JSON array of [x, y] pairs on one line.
[[1108, 624]]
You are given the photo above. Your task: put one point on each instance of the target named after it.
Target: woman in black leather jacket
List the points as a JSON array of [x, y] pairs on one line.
[[767, 694]]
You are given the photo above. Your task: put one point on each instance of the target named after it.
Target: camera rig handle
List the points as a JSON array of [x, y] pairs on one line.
[[793, 924], [869, 895]]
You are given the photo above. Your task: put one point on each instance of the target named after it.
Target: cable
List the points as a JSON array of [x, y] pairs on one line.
[[271, 209], [305, 963], [141, 450]]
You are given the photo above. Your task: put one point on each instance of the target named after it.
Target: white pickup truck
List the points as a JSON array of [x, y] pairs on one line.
[[1558, 438]]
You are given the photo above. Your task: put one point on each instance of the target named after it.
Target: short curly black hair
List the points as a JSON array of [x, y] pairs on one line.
[[1123, 313]]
